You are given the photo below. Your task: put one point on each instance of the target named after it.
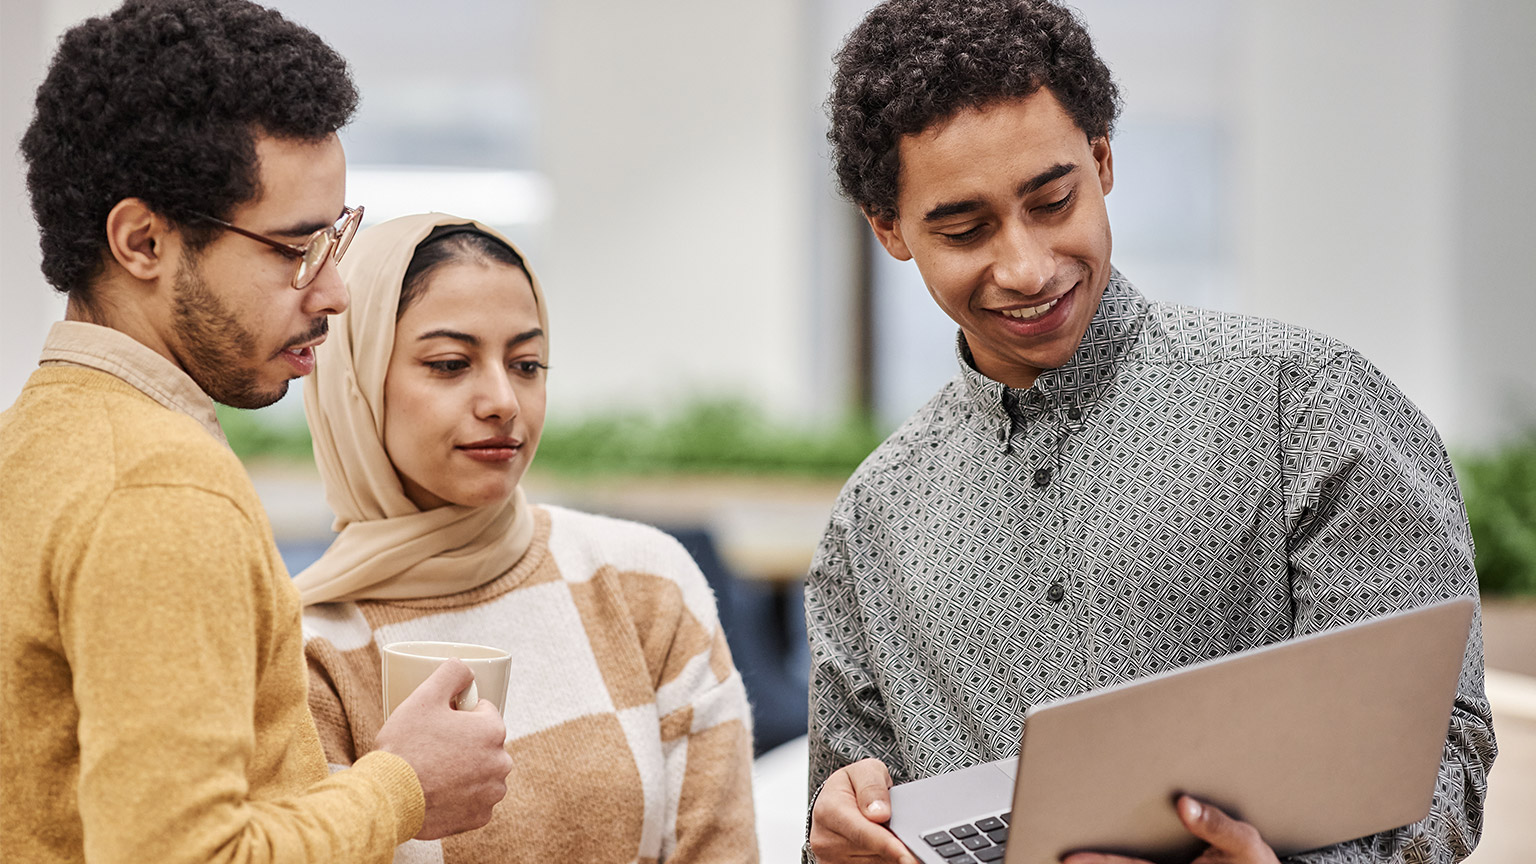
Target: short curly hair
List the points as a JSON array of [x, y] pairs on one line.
[[911, 63], [162, 100]]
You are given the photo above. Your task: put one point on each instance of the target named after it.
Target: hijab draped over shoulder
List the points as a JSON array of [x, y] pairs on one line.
[[387, 547]]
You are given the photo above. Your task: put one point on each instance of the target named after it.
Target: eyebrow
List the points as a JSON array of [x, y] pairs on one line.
[[955, 208], [304, 229], [474, 341]]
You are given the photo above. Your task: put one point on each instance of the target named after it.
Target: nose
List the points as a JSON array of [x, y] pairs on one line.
[[495, 396], [1023, 261], [327, 295]]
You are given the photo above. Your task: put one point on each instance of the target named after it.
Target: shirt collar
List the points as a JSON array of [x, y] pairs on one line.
[[76, 343], [1113, 330]]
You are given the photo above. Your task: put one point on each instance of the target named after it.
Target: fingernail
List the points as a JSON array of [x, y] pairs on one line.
[[1191, 807], [876, 807]]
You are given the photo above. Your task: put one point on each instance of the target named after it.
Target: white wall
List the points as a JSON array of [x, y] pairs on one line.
[[673, 135], [1344, 161], [1364, 168]]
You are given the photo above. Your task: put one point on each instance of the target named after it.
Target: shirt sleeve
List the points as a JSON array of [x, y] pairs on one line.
[[168, 623], [848, 720], [1377, 525]]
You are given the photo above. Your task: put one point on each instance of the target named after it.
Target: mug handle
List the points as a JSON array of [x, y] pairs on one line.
[[467, 698]]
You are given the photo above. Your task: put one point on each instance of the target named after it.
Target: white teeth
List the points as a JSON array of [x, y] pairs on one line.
[[1032, 311]]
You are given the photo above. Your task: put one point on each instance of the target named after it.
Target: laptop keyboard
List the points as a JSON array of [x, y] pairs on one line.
[[983, 840]]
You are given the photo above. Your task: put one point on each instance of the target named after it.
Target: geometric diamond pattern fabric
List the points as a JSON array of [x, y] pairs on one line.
[[1190, 484]]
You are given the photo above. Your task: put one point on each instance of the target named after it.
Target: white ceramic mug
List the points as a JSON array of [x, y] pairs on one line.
[[407, 664]]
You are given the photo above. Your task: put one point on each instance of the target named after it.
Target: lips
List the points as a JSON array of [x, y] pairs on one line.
[[301, 359], [491, 449], [1029, 312], [1039, 319]]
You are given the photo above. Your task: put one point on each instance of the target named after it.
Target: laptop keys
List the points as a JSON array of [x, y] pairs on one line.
[[985, 839]]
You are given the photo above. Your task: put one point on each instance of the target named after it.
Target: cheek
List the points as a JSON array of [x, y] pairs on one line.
[[409, 415]]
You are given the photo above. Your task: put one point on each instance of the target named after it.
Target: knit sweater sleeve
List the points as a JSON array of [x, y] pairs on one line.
[[706, 722], [192, 722]]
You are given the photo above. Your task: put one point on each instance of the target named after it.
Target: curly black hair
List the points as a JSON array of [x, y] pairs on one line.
[[911, 63], [162, 100]]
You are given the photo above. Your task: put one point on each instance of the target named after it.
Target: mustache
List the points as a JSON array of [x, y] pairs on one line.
[[321, 327]]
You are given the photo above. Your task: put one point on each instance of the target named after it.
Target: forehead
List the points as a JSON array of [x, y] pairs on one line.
[[980, 152], [474, 297], [302, 183]]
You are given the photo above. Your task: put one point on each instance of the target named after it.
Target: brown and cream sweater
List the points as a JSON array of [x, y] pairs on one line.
[[627, 722]]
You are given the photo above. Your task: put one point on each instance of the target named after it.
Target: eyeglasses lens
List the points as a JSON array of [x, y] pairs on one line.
[[326, 244]]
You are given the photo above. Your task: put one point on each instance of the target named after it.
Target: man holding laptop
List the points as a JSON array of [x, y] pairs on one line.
[[1112, 487]]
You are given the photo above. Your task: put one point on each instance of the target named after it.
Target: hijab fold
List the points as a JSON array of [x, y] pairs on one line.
[[387, 547]]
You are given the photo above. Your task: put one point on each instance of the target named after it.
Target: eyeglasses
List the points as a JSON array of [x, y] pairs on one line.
[[327, 244]]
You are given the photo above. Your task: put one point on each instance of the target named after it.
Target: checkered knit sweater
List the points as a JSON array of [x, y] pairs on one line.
[[627, 722]]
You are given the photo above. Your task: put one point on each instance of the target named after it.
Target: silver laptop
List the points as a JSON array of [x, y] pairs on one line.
[[1315, 741]]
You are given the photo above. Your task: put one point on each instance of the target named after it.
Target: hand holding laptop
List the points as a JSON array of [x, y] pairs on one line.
[[847, 824], [1231, 841], [848, 820]]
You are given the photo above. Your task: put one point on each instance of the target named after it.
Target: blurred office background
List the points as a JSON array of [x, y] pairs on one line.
[[1359, 166]]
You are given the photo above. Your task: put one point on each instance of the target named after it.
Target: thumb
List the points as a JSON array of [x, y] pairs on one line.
[[1215, 827], [445, 682], [872, 789]]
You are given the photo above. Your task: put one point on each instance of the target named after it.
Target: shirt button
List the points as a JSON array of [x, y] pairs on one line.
[[1055, 593], [1042, 477], [1074, 414]]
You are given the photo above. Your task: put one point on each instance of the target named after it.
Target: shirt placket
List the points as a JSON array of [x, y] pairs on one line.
[[1041, 429]]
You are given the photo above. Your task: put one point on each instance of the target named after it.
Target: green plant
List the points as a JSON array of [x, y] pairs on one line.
[[708, 436], [1500, 490], [703, 437], [266, 435]]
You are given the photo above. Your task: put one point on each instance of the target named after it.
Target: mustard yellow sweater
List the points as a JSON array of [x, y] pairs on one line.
[[151, 660]]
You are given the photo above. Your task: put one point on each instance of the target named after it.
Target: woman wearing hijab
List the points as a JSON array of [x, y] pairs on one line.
[[626, 721]]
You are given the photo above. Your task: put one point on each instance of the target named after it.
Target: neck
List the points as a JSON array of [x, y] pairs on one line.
[[101, 307]]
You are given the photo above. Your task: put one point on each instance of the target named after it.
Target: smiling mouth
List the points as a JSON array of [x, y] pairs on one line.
[[1029, 312]]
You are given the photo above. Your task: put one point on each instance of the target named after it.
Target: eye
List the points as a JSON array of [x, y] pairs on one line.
[[447, 367], [527, 368], [1059, 205], [962, 236]]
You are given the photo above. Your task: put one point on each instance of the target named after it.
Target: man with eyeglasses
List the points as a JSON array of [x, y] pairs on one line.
[[188, 184]]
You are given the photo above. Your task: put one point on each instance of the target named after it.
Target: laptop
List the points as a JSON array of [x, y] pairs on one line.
[[1314, 741]]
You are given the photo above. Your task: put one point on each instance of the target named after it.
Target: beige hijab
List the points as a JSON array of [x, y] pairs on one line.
[[388, 548]]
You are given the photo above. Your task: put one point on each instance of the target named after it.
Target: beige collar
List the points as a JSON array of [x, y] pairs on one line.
[[76, 343]]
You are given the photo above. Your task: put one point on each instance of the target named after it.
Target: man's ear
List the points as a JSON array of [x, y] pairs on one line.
[[138, 239], [889, 233], [1104, 158]]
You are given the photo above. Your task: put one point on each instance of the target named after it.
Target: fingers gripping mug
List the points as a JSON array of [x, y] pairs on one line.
[[407, 664]]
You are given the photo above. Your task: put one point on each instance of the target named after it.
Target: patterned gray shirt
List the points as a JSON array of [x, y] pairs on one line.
[[1190, 484]]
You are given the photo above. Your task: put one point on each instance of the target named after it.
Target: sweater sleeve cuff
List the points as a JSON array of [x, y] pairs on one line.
[[397, 779]]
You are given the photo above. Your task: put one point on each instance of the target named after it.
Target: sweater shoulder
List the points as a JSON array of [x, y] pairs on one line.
[[581, 543], [78, 438]]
